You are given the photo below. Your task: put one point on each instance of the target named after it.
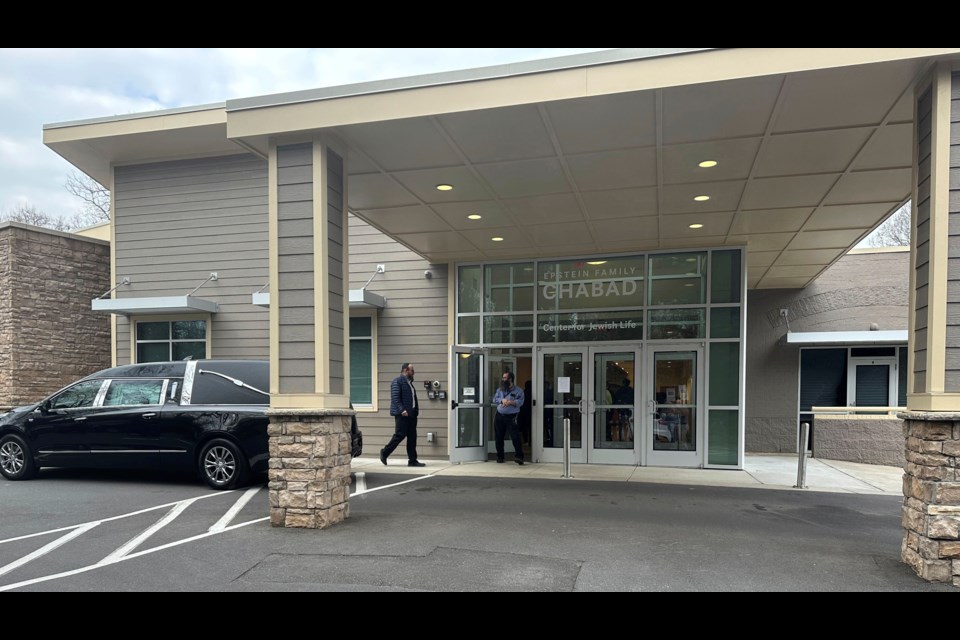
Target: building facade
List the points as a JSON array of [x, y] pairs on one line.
[[49, 337], [625, 248]]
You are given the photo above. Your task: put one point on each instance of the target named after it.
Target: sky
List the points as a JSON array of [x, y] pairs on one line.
[[40, 86]]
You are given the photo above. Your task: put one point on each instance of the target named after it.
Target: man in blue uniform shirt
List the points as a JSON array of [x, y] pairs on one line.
[[509, 398]]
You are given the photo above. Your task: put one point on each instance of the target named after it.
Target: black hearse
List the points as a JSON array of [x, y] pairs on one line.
[[208, 415]]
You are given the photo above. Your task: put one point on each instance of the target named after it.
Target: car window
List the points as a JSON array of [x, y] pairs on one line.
[[127, 393], [79, 395]]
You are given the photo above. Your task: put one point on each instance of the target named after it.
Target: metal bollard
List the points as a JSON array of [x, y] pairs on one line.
[[566, 448], [802, 458]]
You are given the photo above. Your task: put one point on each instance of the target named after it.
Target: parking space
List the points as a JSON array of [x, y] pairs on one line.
[[105, 531]]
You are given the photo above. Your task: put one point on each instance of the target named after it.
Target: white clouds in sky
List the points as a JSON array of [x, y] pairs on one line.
[[39, 86]]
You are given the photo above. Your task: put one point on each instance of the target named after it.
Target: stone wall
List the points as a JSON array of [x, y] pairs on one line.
[[309, 467], [868, 439], [931, 490], [49, 337]]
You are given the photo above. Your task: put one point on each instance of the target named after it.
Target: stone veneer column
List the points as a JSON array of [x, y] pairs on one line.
[[309, 467], [931, 489]]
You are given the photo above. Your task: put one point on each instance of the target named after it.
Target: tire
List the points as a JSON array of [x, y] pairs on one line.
[[222, 465], [16, 459]]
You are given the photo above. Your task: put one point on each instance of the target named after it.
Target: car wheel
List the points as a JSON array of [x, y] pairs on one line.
[[222, 465], [16, 460]]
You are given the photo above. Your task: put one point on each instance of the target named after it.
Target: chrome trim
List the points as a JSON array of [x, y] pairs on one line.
[[173, 450], [188, 376], [236, 381], [101, 394], [45, 453], [123, 450]]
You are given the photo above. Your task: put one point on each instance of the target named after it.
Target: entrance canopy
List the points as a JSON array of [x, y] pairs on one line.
[[795, 153]]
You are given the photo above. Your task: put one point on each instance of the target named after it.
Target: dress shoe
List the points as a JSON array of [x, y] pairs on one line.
[[519, 462], [383, 457], [415, 464], [499, 460]]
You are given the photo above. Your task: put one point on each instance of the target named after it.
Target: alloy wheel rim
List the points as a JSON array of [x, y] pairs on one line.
[[219, 465], [11, 458]]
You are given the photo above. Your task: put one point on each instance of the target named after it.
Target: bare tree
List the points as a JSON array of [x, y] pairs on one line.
[[894, 232], [29, 214], [95, 198]]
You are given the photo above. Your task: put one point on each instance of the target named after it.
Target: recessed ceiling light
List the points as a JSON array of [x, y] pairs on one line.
[[497, 239], [696, 226], [689, 284], [597, 262], [474, 216], [444, 187], [706, 164], [698, 198]]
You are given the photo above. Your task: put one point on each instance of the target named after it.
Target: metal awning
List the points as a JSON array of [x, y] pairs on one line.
[[847, 337], [359, 299], [154, 305]]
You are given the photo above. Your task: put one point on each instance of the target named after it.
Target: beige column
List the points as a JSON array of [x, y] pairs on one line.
[[931, 481], [309, 326]]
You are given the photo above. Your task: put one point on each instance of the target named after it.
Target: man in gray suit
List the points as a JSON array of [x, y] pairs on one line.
[[404, 408]]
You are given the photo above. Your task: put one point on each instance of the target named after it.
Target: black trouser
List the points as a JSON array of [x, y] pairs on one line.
[[405, 428], [500, 426]]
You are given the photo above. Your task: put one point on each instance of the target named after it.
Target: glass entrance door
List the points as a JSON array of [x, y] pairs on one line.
[[562, 367], [467, 440], [597, 396], [675, 437]]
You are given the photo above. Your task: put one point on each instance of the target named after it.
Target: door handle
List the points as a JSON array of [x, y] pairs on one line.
[[580, 407], [80, 418], [593, 406], [147, 416], [453, 404]]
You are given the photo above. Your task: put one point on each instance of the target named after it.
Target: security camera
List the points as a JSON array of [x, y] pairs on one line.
[[436, 384], [428, 274]]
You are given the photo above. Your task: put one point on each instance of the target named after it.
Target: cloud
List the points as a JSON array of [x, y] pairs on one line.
[[39, 86]]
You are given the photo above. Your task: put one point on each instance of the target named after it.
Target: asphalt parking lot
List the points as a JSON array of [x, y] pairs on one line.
[[122, 531]]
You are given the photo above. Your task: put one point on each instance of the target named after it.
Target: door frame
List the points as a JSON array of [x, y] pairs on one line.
[[661, 458], [587, 453], [477, 453], [891, 363]]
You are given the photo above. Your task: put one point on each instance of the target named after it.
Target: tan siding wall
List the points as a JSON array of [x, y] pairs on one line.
[[412, 327], [952, 374], [295, 266], [924, 136], [178, 221]]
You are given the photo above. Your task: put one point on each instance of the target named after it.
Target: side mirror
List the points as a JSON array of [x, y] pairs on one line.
[[45, 407]]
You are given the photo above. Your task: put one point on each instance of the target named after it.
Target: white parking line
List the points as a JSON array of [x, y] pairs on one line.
[[361, 478], [112, 518], [66, 574], [238, 506], [143, 536], [395, 484], [47, 548]]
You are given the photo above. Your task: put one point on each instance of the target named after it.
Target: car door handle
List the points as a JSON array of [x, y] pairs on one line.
[[80, 418], [147, 416]]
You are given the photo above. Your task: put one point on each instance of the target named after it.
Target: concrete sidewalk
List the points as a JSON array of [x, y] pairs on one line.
[[768, 471]]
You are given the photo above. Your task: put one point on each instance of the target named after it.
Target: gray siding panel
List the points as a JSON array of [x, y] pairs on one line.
[[953, 255], [924, 134], [335, 271], [295, 268], [412, 327], [178, 221]]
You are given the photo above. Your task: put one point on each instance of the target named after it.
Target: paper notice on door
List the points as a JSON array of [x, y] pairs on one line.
[[469, 391], [563, 385]]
